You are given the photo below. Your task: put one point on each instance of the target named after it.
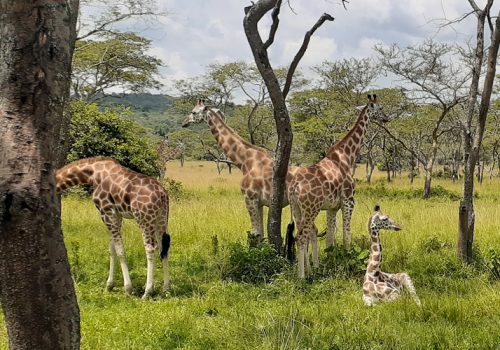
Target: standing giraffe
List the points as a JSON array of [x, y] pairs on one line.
[[253, 161], [328, 185], [165, 155], [378, 285], [122, 193]]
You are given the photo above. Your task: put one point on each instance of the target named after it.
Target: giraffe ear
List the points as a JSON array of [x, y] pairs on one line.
[[369, 97], [374, 98]]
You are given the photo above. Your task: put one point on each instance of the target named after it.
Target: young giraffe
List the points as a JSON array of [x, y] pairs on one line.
[[253, 161], [378, 285], [328, 185], [122, 193]]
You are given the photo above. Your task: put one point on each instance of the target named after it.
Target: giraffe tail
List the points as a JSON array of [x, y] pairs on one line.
[[289, 242], [165, 245]]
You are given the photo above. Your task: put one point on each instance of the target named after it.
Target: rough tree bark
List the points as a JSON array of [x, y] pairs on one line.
[[473, 140], [36, 289], [253, 14]]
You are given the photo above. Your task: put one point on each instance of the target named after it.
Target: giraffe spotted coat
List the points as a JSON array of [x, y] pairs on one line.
[[378, 285], [122, 193]]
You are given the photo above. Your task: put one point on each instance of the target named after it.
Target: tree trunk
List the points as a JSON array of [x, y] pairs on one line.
[[427, 183], [472, 147], [36, 289], [282, 120]]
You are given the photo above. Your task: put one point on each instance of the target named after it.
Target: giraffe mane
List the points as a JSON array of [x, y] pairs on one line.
[[222, 117]]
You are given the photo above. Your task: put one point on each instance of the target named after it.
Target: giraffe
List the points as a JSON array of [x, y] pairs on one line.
[[122, 193], [328, 185], [165, 155], [378, 285], [254, 162]]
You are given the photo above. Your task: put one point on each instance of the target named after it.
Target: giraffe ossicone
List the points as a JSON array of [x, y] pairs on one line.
[[378, 285], [120, 193]]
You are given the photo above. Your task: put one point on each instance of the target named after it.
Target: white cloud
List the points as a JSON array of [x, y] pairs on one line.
[[197, 33], [319, 50]]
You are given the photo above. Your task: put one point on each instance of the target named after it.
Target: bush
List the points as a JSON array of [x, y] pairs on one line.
[[380, 190], [492, 263], [434, 244], [340, 261], [252, 265], [105, 133], [174, 189]]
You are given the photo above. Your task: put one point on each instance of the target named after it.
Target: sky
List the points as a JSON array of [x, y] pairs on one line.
[[196, 33]]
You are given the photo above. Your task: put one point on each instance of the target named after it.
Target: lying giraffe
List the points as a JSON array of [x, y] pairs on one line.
[[254, 162], [378, 285], [122, 193], [328, 185]]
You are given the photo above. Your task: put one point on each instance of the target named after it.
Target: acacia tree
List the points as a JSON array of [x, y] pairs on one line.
[[349, 78], [253, 14], [429, 74], [36, 289], [474, 127], [118, 61]]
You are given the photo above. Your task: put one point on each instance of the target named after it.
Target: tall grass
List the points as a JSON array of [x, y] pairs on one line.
[[461, 305]]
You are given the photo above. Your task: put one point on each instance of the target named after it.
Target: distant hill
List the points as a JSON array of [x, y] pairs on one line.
[[139, 102], [152, 111]]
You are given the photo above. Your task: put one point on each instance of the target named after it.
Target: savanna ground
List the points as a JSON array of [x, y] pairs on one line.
[[204, 310]]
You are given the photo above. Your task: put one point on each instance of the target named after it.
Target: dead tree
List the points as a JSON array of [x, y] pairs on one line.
[[253, 14], [36, 290], [476, 118]]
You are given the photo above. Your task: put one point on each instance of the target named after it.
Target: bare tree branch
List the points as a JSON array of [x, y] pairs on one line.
[[302, 50], [274, 26]]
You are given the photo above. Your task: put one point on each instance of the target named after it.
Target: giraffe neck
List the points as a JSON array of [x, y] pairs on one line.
[[172, 154], [375, 253], [231, 143], [348, 148], [80, 172]]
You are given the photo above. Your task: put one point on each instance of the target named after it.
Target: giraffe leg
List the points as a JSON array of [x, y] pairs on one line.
[[347, 208], [313, 236], [407, 283], [252, 205], [114, 224], [301, 241], [164, 237], [112, 263], [368, 300], [150, 246], [331, 227]]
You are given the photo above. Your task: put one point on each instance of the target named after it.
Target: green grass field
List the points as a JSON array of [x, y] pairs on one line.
[[461, 305]]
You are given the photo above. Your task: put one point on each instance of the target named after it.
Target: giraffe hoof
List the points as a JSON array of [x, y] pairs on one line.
[[109, 287], [146, 295], [128, 289]]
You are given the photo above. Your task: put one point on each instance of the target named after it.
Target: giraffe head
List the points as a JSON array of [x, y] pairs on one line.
[[374, 110], [197, 115], [380, 221]]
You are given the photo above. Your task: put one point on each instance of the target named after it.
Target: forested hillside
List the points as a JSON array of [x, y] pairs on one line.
[[155, 112]]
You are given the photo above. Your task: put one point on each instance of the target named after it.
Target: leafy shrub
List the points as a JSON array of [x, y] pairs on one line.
[[340, 261], [94, 132], [252, 265], [380, 190], [174, 189], [434, 244], [492, 263]]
